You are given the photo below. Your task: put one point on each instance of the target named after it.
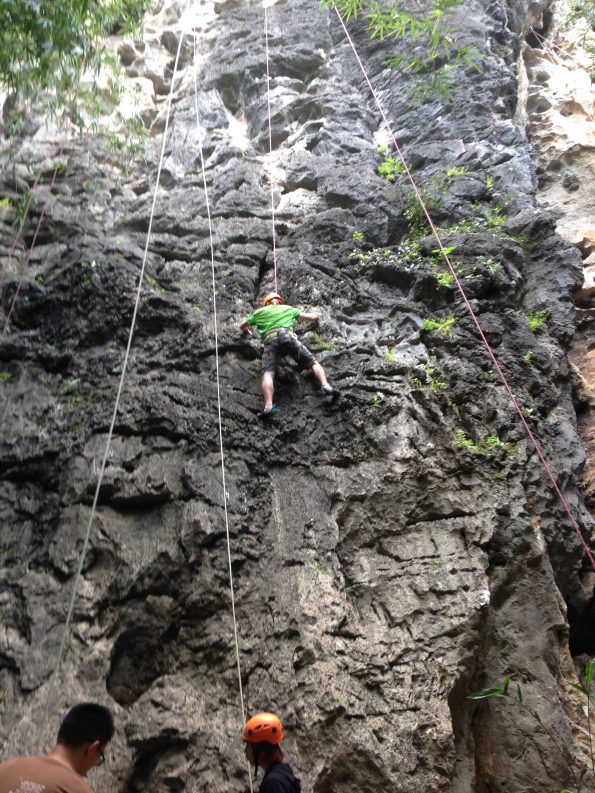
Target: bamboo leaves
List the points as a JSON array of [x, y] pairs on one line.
[[432, 54], [46, 46]]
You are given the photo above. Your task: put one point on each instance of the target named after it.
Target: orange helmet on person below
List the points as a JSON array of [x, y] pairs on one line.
[[263, 727], [272, 296]]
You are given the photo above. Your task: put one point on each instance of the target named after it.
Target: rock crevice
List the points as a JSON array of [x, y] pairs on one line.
[[391, 552]]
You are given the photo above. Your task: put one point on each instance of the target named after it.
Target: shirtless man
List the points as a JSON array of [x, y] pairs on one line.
[[83, 735]]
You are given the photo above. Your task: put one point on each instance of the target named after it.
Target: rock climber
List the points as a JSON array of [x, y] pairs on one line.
[[262, 735], [275, 322], [83, 735]]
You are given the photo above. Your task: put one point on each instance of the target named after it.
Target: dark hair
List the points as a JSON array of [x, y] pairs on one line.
[[267, 749], [85, 723]]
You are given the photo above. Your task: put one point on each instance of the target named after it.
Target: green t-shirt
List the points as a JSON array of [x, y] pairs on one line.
[[270, 317]]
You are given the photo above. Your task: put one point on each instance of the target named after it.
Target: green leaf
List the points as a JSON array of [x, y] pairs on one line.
[[349, 9], [424, 34], [448, 249], [486, 693], [519, 694], [589, 672], [378, 26], [46, 47], [505, 684], [580, 688]]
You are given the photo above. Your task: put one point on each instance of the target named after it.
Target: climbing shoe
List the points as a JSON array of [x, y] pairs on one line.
[[327, 390], [268, 413]]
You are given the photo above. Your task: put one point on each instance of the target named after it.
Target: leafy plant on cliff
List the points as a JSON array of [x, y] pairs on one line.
[[154, 284], [406, 257], [488, 218], [51, 54], [489, 446], [431, 52], [319, 344], [537, 318], [443, 326], [431, 192], [46, 45], [456, 170], [517, 699], [430, 374], [390, 167], [21, 206]]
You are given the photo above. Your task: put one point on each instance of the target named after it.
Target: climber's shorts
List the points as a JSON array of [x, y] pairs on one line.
[[283, 342]]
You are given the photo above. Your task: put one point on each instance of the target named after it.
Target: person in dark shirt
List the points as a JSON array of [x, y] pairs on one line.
[[83, 735], [262, 735]]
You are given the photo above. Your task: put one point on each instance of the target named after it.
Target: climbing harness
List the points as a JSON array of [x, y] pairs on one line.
[[476, 322]]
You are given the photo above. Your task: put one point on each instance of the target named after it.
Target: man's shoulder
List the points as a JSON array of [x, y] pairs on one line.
[[21, 762], [273, 311], [40, 775], [280, 779], [259, 313]]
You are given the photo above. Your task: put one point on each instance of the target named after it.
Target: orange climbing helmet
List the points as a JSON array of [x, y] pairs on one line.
[[272, 296], [264, 727]]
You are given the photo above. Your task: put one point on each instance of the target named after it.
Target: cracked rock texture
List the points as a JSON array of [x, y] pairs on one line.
[[391, 553], [558, 102]]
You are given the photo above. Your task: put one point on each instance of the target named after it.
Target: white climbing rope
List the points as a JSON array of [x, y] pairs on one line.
[[267, 4], [221, 448], [116, 406]]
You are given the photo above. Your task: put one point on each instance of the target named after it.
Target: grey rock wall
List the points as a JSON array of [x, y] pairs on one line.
[[382, 570]]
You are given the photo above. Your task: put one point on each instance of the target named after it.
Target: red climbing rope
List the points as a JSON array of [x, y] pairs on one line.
[[26, 209], [266, 44], [30, 251], [467, 304], [25, 215]]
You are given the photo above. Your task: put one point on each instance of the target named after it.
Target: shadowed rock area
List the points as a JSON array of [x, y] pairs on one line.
[[392, 552]]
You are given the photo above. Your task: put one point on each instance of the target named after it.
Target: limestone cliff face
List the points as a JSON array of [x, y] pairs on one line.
[[385, 566], [558, 104]]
